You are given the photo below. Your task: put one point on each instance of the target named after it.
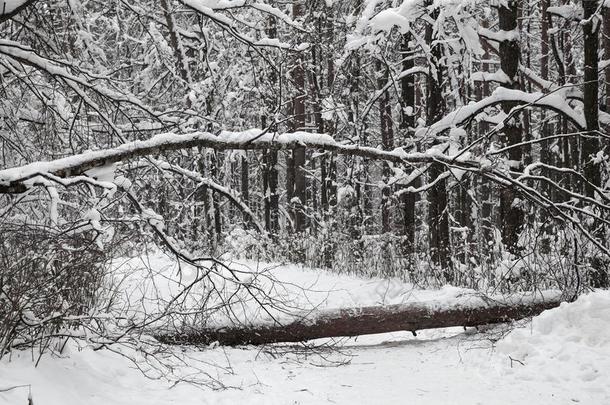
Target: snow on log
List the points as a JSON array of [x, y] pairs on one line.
[[369, 320]]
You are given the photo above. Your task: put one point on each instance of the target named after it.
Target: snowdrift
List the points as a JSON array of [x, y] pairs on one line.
[[568, 344]]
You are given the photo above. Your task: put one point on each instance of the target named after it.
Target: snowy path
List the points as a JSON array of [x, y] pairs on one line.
[[383, 369]]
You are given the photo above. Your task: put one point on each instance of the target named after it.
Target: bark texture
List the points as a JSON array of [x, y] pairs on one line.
[[365, 321], [510, 211]]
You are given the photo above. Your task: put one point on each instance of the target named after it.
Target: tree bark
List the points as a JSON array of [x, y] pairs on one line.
[[365, 321], [545, 150], [486, 196], [181, 62], [407, 124], [298, 154], [607, 54], [270, 172], [271, 194], [510, 212], [590, 144], [438, 214], [245, 182], [387, 143]]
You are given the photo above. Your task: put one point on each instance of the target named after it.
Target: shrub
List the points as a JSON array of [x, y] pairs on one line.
[[49, 282]]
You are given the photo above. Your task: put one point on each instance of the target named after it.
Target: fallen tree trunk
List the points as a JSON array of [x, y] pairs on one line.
[[369, 320]]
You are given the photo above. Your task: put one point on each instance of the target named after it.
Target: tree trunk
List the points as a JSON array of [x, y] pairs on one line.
[[298, 154], [438, 214], [590, 143], [365, 321], [215, 200], [607, 54], [487, 200], [387, 143], [245, 183], [270, 172], [181, 61], [511, 213], [407, 125], [545, 150]]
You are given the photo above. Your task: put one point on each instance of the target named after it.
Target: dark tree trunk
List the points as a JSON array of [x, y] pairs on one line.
[[365, 321], [215, 200], [545, 150], [271, 195], [331, 182], [298, 154], [181, 63], [438, 214], [487, 200], [590, 143], [387, 143], [572, 146], [407, 125], [245, 183], [511, 213], [270, 172], [523, 10], [202, 167], [607, 55]]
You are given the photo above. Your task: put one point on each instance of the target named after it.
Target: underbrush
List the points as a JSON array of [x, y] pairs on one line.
[[561, 261], [50, 282]]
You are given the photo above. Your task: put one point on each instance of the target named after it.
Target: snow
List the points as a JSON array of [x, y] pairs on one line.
[[564, 354], [501, 94], [566, 345], [499, 36], [294, 291], [564, 351], [498, 76], [386, 19], [567, 11], [7, 6], [393, 369], [113, 155], [249, 139]]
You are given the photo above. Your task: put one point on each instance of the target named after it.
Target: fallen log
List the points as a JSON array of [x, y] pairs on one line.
[[369, 320]]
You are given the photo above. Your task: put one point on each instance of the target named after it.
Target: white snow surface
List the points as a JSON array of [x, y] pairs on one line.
[[7, 6], [562, 357], [297, 291], [571, 344], [290, 291]]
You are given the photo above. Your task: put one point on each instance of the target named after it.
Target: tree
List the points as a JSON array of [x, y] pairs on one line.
[[364, 321], [437, 199], [510, 209], [172, 122], [407, 124]]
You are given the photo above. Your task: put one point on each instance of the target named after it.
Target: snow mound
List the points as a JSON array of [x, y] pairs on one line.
[[568, 343]]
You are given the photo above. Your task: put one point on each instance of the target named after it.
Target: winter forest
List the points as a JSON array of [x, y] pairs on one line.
[[304, 202]]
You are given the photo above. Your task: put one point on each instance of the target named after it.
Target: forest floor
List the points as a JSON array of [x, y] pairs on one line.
[[561, 357]]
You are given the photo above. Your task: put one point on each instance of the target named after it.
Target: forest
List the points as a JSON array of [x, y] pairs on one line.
[[186, 184]]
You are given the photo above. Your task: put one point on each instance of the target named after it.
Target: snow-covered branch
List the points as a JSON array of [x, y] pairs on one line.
[[14, 180]]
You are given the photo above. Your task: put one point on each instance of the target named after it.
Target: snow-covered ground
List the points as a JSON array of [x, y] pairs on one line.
[[562, 357], [289, 291]]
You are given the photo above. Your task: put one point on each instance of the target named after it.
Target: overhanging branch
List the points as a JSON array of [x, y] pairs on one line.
[[15, 180]]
